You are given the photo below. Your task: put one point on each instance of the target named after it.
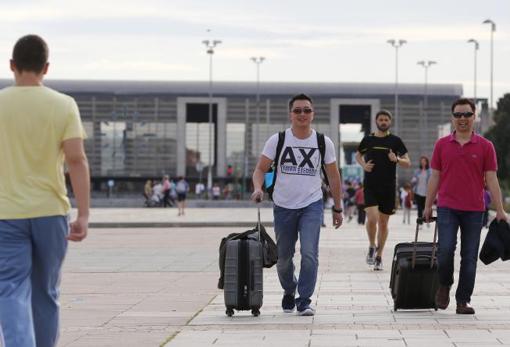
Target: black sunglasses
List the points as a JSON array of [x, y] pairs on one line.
[[304, 110], [462, 114]]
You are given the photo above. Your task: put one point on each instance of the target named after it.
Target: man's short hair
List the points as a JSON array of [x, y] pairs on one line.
[[464, 101], [383, 113], [30, 54], [299, 97]]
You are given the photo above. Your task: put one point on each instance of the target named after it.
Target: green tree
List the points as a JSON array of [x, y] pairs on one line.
[[499, 134]]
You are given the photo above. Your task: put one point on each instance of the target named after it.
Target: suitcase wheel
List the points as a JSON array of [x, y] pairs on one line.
[[229, 312], [255, 312]]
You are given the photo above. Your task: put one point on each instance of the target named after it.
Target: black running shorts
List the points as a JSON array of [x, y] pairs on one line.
[[382, 197]]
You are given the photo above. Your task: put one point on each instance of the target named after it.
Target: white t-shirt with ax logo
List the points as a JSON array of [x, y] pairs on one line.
[[298, 179]]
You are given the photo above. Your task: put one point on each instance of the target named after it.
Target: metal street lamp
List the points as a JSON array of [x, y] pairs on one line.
[[426, 65], [396, 44], [477, 46], [257, 61], [210, 45], [493, 29]]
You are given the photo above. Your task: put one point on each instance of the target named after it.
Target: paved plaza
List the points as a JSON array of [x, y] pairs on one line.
[[157, 287]]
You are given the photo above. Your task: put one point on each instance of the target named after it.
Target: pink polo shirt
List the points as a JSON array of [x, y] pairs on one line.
[[462, 171]]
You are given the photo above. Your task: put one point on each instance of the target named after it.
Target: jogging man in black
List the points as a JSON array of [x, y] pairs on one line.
[[379, 154]]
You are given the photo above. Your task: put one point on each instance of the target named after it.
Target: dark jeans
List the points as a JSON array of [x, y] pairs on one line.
[[420, 204], [289, 224], [470, 224]]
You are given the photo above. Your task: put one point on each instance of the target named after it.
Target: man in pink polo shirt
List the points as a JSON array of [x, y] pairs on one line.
[[462, 163]]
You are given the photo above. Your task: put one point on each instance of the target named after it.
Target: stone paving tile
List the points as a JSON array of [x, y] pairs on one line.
[[142, 287]]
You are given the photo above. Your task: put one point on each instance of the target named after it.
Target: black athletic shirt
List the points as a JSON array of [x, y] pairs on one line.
[[376, 149]]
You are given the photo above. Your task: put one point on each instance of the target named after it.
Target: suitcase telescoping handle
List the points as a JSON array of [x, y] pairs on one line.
[[258, 218], [420, 221]]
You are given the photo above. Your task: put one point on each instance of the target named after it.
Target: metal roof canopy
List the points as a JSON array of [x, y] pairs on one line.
[[315, 89]]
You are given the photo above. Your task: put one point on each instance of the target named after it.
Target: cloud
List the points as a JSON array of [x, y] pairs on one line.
[[137, 65]]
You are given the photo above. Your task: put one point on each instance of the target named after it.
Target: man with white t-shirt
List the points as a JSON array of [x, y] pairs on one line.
[[297, 198]]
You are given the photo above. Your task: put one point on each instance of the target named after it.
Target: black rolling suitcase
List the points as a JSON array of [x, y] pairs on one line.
[[414, 277], [243, 273]]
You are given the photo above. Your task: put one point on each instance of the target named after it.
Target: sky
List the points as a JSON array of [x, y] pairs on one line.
[[302, 41]]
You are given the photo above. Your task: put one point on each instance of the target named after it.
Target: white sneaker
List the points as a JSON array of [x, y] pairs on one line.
[[307, 311]]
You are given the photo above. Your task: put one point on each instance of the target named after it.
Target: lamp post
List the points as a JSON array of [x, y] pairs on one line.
[[493, 29], [257, 61], [477, 46], [426, 64], [210, 45], [396, 44]]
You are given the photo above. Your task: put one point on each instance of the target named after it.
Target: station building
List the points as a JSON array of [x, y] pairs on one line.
[[139, 130]]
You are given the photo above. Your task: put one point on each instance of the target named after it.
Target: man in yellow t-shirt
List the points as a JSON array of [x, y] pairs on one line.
[[40, 130]]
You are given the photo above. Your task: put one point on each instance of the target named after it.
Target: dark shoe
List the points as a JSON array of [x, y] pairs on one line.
[[288, 303], [443, 297], [378, 264], [465, 308], [371, 255]]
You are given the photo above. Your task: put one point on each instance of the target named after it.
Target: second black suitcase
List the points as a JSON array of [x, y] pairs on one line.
[[414, 277]]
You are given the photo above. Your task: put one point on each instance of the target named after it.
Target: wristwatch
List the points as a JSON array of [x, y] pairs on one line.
[[337, 210]]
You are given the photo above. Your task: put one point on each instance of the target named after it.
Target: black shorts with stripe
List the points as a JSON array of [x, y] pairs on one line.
[[382, 197]]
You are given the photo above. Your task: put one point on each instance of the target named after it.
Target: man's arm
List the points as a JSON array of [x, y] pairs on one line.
[[491, 178], [404, 161], [431, 193], [335, 186], [367, 166], [78, 167], [262, 167]]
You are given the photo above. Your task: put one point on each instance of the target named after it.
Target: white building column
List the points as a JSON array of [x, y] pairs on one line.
[[221, 124]]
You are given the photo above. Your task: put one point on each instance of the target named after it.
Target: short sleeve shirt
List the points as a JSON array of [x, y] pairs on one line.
[[462, 171], [34, 121], [298, 179], [377, 149]]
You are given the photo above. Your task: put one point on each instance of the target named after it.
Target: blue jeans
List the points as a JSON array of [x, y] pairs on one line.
[[470, 224], [31, 255], [289, 224]]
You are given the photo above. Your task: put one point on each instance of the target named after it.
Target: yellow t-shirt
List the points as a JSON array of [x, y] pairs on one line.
[[33, 123]]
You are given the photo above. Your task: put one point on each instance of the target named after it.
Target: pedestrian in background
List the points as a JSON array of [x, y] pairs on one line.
[[420, 181], [182, 188]]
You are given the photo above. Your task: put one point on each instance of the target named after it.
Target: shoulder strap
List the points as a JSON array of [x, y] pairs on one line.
[[321, 142], [279, 146], [274, 166]]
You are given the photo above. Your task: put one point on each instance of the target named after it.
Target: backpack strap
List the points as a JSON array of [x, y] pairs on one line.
[[321, 142], [274, 166]]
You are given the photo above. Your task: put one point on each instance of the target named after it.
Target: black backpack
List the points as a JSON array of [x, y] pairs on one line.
[[273, 169]]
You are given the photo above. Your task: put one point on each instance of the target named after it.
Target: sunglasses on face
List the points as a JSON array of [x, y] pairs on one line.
[[462, 114], [303, 110]]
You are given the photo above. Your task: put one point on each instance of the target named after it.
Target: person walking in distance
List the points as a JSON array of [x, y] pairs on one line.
[[40, 129], [462, 163], [379, 154], [359, 197], [407, 203], [182, 188], [297, 198], [420, 181]]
